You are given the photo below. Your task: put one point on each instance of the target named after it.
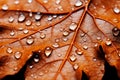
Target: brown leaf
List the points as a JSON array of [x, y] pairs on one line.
[[61, 38]]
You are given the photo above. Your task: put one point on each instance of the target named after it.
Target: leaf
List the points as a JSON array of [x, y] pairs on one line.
[[63, 38]]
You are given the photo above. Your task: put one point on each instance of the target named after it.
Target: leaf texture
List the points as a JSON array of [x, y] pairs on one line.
[[62, 38]]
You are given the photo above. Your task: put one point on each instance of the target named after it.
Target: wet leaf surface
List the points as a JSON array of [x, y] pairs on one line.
[[62, 38]]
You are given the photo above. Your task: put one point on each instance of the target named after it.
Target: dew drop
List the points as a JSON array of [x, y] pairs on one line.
[[37, 16], [28, 23], [108, 42], [36, 58], [94, 59], [79, 52], [65, 39], [31, 66], [54, 16], [73, 58], [50, 18], [73, 26], [96, 45], [99, 38], [45, 1], [16, 2], [20, 28], [116, 32], [65, 33], [57, 40], [60, 16], [30, 1], [57, 1], [85, 47], [75, 66], [12, 33], [59, 54], [41, 74], [42, 35], [38, 23], [21, 18], [9, 50], [48, 51], [11, 19], [5, 7], [82, 35], [116, 10], [30, 14], [55, 45], [17, 55], [78, 3], [29, 40], [25, 31]]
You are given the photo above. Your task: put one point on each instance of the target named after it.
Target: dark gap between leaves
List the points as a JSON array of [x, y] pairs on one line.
[[84, 76]]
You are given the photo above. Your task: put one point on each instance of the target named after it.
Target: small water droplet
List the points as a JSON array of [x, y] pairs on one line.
[[30, 1], [45, 1], [42, 35], [31, 66], [65, 39], [96, 45], [79, 52], [41, 74], [59, 54], [94, 59], [73, 58], [116, 32], [16, 2], [78, 3], [75, 66], [108, 42], [60, 8], [57, 40], [116, 10], [73, 26], [37, 16], [25, 31], [50, 18], [55, 45], [36, 60], [12, 33], [65, 33], [82, 34], [21, 18], [99, 38], [9, 50], [11, 19], [20, 28], [57, 1], [60, 16], [5, 7], [28, 23], [85, 47], [38, 23], [48, 51], [30, 14], [15, 69], [29, 40], [17, 55], [54, 16]]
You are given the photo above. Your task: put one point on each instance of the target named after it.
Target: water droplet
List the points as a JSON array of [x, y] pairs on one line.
[[82, 35], [57, 1], [36, 60], [41, 74], [116, 10], [119, 54], [5, 7], [65, 39], [9, 50], [96, 45], [45, 1], [31, 66], [28, 23], [75, 66], [16, 2], [99, 38], [94, 59], [108, 42], [116, 32], [38, 23], [79, 52], [30, 1], [54, 16], [73, 26], [50, 18], [60, 16], [29, 40], [55, 45], [11, 19], [85, 47], [65, 33], [20, 28], [115, 20], [59, 54], [17, 55], [21, 18], [78, 3], [48, 51], [12, 33], [60, 8], [42, 35], [25, 31], [57, 40], [38, 16], [73, 58]]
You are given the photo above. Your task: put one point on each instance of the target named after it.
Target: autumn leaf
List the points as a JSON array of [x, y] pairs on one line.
[[59, 39]]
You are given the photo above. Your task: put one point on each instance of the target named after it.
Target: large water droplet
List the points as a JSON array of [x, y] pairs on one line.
[[12, 33], [5, 7], [116, 32], [21, 18], [38, 16], [48, 51], [29, 40], [78, 3], [9, 50], [116, 10], [73, 26], [11, 19], [75, 66], [17, 55], [73, 58]]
